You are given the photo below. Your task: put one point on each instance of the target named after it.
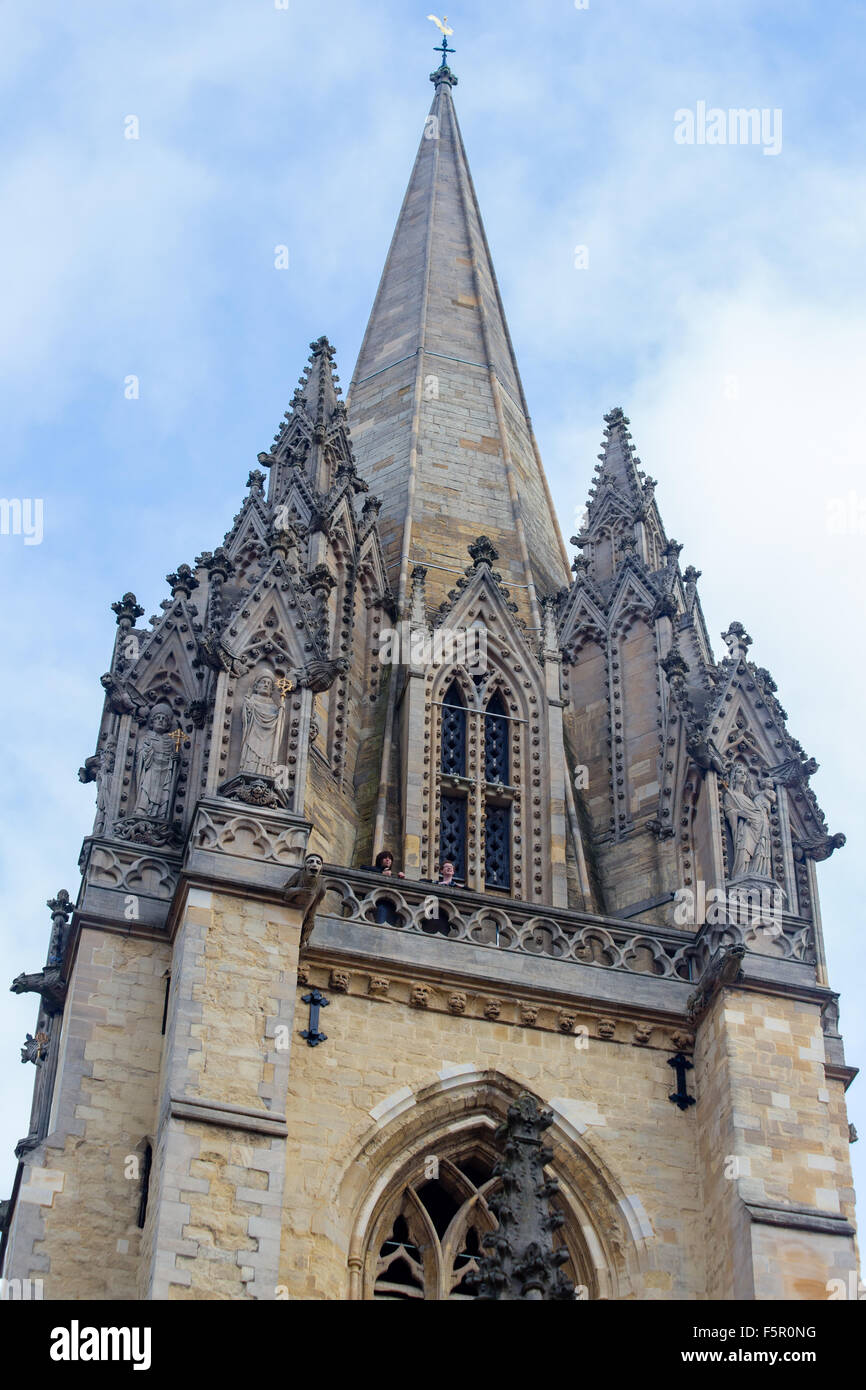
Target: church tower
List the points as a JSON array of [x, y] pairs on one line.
[[265, 1070]]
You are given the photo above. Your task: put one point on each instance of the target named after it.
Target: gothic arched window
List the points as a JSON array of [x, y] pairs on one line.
[[497, 847], [497, 750], [454, 732], [430, 1232], [497, 808]]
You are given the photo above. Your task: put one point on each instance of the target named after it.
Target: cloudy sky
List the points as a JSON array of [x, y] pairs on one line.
[[719, 299]]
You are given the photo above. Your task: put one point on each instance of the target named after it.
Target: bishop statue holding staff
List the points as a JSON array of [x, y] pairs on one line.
[[262, 728], [155, 766]]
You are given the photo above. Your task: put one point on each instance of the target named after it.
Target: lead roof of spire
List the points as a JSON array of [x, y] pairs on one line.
[[439, 420]]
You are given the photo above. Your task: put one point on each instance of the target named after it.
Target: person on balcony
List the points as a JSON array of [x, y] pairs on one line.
[[386, 912]]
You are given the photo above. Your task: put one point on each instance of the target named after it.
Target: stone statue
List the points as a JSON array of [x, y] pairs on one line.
[[155, 766], [748, 819], [263, 723], [305, 889]]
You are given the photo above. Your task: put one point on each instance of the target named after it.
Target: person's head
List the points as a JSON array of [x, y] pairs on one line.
[[264, 685], [385, 861], [446, 868], [738, 775]]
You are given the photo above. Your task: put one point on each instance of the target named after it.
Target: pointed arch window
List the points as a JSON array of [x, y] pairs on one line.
[[497, 847], [497, 742], [428, 1235], [454, 732], [452, 833]]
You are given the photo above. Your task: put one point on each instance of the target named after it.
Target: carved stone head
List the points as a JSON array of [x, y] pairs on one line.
[[314, 863], [161, 718]]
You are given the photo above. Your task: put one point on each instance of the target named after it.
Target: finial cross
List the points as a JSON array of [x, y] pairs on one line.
[[444, 50]]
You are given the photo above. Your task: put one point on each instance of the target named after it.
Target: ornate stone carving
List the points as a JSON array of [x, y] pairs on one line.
[[305, 889], [748, 818], [142, 831], [419, 996], [99, 768], [528, 1015], [61, 910], [737, 641], [262, 727], [642, 1034], [492, 1008], [339, 981], [683, 1041], [524, 1263], [253, 790], [249, 837], [35, 1049], [155, 766], [320, 674], [724, 969], [127, 610], [818, 848], [379, 986], [566, 1020], [606, 1028], [47, 983], [457, 1002]]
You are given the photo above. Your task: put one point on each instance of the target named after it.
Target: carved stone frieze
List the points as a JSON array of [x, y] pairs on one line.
[[141, 830], [248, 835]]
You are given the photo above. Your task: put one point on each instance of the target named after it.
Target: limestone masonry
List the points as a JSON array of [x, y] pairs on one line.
[[265, 1070]]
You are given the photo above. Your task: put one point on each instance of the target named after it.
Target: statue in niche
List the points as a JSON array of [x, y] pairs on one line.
[[748, 819], [99, 769], [155, 766], [262, 727]]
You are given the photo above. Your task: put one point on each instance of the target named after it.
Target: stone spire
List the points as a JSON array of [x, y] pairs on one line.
[[313, 434], [437, 411]]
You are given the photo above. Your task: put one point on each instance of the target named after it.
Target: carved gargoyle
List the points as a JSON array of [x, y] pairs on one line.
[[703, 751], [47, 984], [725, 969], [212, 651], [821, 847], [35, 1048], [321, 674], [304, 889], [123, 698]]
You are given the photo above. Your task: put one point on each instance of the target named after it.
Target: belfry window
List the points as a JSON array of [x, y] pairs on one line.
[[497, 847], [452, 833], [497, 760], [454, 732]]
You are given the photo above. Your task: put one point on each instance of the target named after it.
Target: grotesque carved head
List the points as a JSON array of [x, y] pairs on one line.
[[314, 863]]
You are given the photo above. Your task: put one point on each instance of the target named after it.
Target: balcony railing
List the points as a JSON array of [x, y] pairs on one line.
[[407, 905]]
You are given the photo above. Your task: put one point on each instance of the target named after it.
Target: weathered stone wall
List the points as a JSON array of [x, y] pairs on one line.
[[219, 1166], [774, 1150], [76, 1220], [349, 1098]]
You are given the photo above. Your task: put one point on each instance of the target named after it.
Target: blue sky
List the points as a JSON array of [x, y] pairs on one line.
[[722, 307]]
